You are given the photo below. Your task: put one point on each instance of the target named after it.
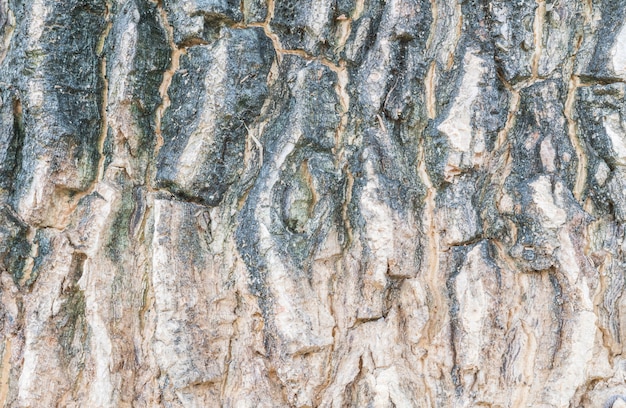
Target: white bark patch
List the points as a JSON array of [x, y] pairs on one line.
[[523, 350], [547, 154], [570, 375], [377, 68], [414, 310], [303, 322], [96, 283], [215, 83], [457, 215], [458, 124], [567, 258], [164, 276], [98, 220], [602, 173], [617, 134], [35, 93], [553, 216], [303, 327], [348, 369], [389, 389], [101, 389], [473, 307], [38, 15], [194, 310], [379, 228], [317, 21], [33, 198], [41, 356], [618, 53], [445, 33], [124, 66]]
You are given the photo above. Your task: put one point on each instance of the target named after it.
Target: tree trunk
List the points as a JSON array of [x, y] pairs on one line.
[[317, 203]]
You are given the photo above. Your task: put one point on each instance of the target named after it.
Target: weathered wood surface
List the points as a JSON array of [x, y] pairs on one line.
[[317, 203]]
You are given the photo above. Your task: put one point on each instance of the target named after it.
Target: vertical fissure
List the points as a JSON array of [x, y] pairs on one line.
[[168, 75], [572, 131], [540, 16]]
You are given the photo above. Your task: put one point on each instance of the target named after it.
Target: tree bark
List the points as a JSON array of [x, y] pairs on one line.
[[317, 203]]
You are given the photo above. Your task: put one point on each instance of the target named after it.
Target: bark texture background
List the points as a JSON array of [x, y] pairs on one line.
[[315, 203]]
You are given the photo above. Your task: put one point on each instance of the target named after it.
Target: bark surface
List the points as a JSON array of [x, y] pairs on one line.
[[316, 203]]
